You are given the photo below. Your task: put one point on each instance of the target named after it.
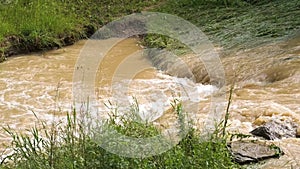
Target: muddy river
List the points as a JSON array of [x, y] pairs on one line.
[[266, 85]]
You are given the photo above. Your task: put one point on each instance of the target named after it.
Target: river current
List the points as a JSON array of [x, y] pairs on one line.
[[266, 85]]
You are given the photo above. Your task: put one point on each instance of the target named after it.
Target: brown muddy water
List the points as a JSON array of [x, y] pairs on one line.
[[267, 80], [267, 86]]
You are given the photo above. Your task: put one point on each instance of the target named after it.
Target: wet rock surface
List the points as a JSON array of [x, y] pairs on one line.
[[290, 159], [245, 152], [267, 143], [276, 129]]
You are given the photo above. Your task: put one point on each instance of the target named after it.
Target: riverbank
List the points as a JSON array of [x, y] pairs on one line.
[[234, 25], [39, 26], [36, 26]]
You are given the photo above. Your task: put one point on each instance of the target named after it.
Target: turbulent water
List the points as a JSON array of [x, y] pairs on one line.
[[266, 85], [41, 83]]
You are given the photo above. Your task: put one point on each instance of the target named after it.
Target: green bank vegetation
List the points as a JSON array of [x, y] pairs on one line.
[[35, 25], [70, 145], [28, 26], [234, 24]]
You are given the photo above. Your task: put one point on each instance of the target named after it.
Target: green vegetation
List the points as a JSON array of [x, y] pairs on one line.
[[235, 23], [28, 26], [34, 25], [70, 145], [42, 24]]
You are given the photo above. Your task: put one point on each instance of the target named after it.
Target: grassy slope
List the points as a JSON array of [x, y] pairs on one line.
[[28, 26], [239, 24], [42, 24]]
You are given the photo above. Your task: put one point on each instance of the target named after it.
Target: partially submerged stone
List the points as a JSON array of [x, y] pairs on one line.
[[276, 129], [253, 151]]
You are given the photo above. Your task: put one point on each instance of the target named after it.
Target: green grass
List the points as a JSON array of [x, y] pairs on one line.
[[69, 145], [39, 22], [236, 24], [28, 26], [36, 25]]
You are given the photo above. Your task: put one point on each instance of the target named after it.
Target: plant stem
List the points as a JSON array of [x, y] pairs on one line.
[[227, 110]]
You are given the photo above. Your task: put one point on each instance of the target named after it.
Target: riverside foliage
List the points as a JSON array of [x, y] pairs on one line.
[[69, 145]]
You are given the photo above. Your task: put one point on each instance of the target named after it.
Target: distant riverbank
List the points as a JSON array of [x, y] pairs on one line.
[[37, 26], [235, 24], [29, 26]]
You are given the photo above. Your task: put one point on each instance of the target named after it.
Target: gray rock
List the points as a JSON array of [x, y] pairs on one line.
[[253, 151], [276, 129]]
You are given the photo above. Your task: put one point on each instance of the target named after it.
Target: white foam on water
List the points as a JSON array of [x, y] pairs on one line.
[[154, 96]]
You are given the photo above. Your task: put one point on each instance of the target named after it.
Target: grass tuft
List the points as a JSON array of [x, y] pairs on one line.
[[69, 145]]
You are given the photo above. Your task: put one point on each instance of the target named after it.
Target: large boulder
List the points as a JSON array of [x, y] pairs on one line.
[[276, 129]]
